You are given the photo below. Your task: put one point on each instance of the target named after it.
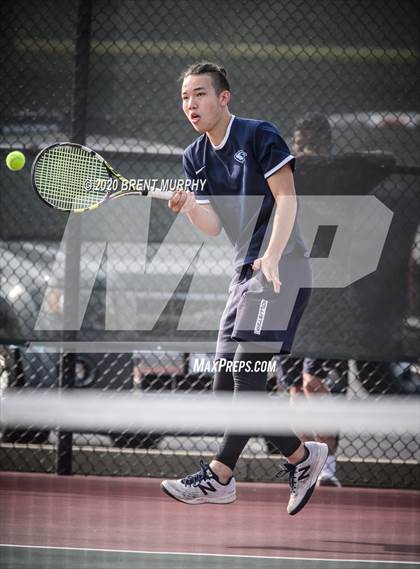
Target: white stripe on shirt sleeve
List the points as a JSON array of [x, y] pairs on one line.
[[282, 163]]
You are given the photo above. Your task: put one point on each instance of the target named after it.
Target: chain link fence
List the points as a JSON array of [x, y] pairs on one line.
[[105, 74]]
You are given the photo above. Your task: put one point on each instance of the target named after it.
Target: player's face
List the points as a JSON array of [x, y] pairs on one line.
[[200, 102], [298, 145]]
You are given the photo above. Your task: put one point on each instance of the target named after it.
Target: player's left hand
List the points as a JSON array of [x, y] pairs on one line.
[[269, 266]]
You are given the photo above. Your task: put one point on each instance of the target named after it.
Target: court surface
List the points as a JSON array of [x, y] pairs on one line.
[[77, 522]]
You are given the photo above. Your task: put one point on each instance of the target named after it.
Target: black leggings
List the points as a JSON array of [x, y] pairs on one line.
[[239, 382]]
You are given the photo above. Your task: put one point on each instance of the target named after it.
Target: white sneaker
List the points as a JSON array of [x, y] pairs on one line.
[[303, 476], [328, 475], [204, 486]]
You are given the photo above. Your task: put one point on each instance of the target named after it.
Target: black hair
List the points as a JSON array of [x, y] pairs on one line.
[[218, 74], [316, 131]]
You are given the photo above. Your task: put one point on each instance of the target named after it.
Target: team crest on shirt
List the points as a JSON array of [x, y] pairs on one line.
[[240, 156]]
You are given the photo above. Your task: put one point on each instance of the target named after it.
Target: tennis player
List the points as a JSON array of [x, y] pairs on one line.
[[249, 193]]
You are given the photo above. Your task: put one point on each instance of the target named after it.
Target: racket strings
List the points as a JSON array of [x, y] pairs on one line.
[[67, 178]]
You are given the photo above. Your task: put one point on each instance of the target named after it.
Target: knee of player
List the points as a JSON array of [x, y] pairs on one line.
[[313, 384], [249, 377], [296, 389]]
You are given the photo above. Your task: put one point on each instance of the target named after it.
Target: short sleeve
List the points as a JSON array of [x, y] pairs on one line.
[[272, 152], [197, 176]]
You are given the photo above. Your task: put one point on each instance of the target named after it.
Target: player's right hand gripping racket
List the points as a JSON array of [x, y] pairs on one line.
[[72, 177]]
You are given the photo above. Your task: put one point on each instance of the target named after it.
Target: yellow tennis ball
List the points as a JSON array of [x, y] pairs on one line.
[[15, 160]]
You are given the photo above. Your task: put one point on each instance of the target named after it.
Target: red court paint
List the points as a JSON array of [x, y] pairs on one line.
[[133, 514]]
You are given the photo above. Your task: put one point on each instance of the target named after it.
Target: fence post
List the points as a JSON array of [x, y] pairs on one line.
[[67, 366]]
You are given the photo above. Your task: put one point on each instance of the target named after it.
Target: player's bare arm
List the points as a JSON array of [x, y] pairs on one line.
[[283, 189], [202, 216]]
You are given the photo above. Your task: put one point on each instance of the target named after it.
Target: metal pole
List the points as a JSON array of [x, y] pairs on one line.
[[66, 373]]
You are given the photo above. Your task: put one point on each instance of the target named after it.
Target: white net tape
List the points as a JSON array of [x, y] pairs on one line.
[[206, 413]]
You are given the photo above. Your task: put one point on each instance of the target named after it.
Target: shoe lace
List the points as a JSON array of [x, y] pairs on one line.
[[289, 469], [195, 479]]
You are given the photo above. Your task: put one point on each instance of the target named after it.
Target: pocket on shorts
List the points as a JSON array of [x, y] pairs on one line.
[[259, 285], [269, 318]]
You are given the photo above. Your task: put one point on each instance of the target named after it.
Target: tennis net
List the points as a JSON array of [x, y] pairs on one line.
[[127, 521]]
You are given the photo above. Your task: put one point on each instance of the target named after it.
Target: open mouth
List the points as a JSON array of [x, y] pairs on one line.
[[194, 118]]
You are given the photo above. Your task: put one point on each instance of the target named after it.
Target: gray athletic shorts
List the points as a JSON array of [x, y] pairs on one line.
[[255, 314]]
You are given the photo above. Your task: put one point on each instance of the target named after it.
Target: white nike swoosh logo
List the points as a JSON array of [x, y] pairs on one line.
[[200, 170]]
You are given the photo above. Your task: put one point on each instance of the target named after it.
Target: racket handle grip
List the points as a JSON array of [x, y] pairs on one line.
[[160, 194]]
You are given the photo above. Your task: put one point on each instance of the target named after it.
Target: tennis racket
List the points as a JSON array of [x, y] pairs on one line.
[[72, 177]]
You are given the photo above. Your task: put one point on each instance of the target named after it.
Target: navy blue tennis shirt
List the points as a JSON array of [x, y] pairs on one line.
[[238, 167]]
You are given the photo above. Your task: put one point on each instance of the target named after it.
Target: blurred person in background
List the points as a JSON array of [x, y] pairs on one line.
[[310, 377]]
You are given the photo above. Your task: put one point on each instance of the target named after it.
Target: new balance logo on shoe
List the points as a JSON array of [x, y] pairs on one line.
[[304, 472], [207, 488]]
